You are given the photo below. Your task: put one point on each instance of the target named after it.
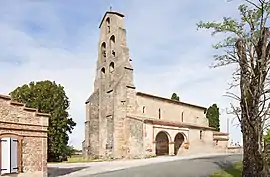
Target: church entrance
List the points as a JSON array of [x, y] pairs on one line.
[[162, 144], [178, 141]]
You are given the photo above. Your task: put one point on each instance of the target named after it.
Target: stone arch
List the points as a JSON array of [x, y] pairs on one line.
[[108, 22], [179, 140], [162, 143], [103, 72], [111, 67], [103, 50], [112, 45]]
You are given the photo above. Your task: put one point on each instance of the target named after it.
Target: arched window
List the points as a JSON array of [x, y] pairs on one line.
[[143, 109], [200, 134], [103, 73], [111, 67], [112, 45], [108, 21], [103, 50], [159, 113]]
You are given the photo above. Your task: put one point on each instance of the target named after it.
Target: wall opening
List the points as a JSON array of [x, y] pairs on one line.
[[103, 72], [143, 109], [103, 51], [108, 21], [112, 45], [182, 117], [10, 155], [159, 113], [162, 144], [111, 67], [200, 134], [178, 141]]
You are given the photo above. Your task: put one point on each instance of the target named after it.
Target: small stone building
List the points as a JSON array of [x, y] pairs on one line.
[[122, 122], [23, 136]]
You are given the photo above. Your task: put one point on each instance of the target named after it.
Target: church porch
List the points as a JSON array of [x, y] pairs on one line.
[[170, 138]]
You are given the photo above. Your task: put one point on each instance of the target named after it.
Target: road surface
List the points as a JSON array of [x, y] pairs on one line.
[[195, 167]]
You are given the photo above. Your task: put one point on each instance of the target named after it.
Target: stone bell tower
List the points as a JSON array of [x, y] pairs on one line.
[[114, 92]]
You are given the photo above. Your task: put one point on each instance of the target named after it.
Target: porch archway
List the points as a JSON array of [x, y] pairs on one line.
[[178, 141], [162, 143]]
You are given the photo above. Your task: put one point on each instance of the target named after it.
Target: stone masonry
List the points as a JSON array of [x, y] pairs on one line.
[[29, 127], [123, 123]]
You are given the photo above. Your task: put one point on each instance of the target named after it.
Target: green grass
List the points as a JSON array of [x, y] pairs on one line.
[[81, 159], [234, 171], [78, 159]]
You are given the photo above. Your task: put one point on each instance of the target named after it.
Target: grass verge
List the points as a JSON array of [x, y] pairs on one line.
[[233, 171], [80, 159]]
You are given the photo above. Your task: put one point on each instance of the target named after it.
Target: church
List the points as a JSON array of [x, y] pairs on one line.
[[122, 122]]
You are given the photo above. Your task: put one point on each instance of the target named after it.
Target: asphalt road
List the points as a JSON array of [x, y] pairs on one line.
[[199, 167]]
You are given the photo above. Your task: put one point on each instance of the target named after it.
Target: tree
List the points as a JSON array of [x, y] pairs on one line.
[[175, 97], [212, 115], [48, 97], [246, 46], [70, 150]]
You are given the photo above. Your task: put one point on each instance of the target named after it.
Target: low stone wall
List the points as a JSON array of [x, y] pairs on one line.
[[29, 128], [235, 149]]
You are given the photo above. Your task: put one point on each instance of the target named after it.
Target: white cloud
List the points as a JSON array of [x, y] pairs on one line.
[[41, 41]]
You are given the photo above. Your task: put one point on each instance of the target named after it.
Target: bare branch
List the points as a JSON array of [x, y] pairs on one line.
[[232, 95], [252, 3], [236, 112]]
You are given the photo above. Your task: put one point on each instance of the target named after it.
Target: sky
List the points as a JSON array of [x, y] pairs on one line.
[[58, 40]]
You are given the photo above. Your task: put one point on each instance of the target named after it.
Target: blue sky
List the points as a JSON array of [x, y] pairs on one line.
[[57, 40]]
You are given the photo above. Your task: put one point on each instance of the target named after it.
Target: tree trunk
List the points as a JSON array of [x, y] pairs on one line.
[[251, 87], [253, 162]]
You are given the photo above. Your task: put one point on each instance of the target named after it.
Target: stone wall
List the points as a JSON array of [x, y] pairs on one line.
[[235, 149], [134, 135], [220, 141], [200, 141], [91, 144], [170, 110], [120, 108], [30, 128]]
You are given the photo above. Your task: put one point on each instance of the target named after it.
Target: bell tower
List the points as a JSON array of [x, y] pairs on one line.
[[114, 93], [113, 53]]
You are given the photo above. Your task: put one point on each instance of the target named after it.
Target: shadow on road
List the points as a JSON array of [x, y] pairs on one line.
[[56, 171], [229, 168]]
